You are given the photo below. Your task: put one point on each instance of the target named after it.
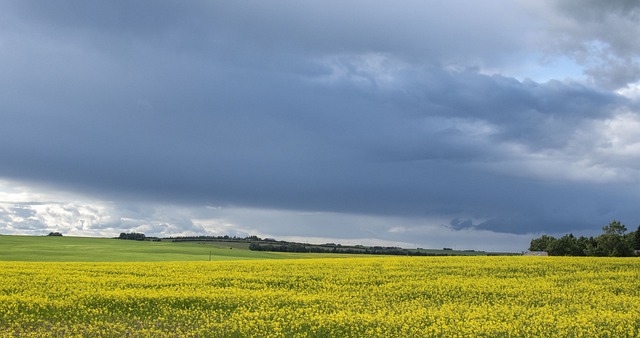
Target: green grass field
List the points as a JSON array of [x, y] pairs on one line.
[[86, 249], [92, 249]]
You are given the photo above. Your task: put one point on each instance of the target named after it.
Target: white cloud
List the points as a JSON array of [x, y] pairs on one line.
[[631, 91], [50, 211], [221, 227]]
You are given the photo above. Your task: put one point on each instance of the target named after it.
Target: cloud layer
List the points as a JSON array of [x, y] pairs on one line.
[[417, 117]]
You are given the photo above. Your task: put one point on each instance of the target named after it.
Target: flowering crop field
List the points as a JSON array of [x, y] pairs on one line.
[[335, 297]]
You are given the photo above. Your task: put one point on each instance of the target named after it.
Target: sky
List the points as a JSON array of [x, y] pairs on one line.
[[462, 124]]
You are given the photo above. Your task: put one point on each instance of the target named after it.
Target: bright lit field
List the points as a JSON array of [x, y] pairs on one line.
[[88, 249], [334, 297]]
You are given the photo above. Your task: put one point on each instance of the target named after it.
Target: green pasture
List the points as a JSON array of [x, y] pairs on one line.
[[88, 249]]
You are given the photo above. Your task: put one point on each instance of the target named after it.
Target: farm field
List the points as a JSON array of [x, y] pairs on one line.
[[325, 297], [88, 249]]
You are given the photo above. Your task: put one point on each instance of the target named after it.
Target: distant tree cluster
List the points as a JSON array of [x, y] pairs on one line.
[[614, 242], [55, 234], [132, 236]]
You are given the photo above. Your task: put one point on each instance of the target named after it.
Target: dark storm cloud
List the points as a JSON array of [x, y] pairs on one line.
[[416, 29], [345, 108]]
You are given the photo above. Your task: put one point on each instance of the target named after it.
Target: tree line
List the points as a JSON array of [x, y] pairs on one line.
[[333, 248], [225, 238], [614, 242]]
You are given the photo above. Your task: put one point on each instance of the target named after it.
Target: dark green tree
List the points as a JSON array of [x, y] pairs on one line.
[[614, 228], [561, 246], [592, 248], [583, 244], [613, 242], [542, 243], [567, 245], [636, 239]]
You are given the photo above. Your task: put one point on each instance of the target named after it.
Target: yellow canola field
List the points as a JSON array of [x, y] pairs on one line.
[[338, 297]]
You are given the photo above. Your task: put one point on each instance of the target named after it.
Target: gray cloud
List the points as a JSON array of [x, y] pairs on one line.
[[340, 109], [600, 36]]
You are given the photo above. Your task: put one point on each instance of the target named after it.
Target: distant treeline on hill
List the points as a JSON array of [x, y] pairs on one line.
[[375, 250], [269, 244], [136, 236], [614, 242], [216, 239]]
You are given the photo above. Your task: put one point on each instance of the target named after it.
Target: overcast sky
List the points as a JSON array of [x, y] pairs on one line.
[[465, 124]]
